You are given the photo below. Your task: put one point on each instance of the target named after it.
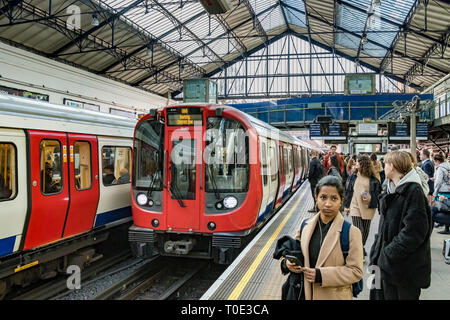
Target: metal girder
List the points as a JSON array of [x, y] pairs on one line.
[[137, 83], [418, 67], [350, 5], [356, 35], [193, 35], [157, 41], [90, 31], [259, 28], [406, 23], [227, 27]]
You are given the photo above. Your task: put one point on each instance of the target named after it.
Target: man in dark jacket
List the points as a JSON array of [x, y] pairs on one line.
[[402, 246], [316, 172], [428, 168]]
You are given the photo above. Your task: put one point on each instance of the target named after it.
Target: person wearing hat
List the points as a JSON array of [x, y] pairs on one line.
[[108, 175]]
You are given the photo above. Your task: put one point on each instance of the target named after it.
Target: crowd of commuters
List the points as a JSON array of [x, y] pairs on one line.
[[411, 200]]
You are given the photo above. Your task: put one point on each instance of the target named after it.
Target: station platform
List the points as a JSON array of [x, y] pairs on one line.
[[255, 275]]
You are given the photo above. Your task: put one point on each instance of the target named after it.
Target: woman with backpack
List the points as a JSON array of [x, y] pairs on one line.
[[401, 249], [361, 196], [329, 272]]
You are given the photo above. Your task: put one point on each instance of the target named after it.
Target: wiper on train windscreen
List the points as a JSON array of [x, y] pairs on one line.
[[174, 188], [213, 183]]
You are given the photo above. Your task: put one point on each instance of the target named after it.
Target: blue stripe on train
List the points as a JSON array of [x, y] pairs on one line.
[[266, 212], [7, 245], [111, 216]]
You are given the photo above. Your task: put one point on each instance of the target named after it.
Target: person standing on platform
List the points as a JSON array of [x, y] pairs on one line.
[[316, 172], [327, 160], [334, 168], [361, 196], [328, 276], [401, 249], [428, 167], [376, 165], [441, 175]]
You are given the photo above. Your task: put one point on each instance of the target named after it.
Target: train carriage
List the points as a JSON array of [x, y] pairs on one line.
[[205, 177], [63, 186]]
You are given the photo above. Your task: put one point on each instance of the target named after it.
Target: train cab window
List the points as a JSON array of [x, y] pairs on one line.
[[148, 156], [51, 167], [116, 165], [226, 156], [8, 187], [83, 168]]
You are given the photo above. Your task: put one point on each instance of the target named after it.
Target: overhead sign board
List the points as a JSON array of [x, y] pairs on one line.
[[401, 131], [328, 131], [367, 129]]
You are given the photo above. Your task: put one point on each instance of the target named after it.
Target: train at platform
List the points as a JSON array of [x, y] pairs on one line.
[[64, 187], [206, 177]]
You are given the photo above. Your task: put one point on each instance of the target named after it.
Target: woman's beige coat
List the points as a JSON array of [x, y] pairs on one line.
[[337, 278]]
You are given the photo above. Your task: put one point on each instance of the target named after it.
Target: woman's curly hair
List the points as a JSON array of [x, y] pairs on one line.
[[366, 167]]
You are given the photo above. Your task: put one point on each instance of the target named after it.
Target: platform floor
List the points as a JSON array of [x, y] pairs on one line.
[[255, 275]]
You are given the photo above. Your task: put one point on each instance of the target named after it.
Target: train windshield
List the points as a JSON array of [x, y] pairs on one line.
[[226, 156], [148, 156]]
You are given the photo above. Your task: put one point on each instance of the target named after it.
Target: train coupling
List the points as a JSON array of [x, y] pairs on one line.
[[182, 247]]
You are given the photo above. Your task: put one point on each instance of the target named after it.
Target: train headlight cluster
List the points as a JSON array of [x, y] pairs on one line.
[[141, 199], [230, 202]]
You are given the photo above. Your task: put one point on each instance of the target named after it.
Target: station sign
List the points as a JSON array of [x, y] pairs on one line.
[[367, 129], [328, 131], [401, 131], [184, 116]]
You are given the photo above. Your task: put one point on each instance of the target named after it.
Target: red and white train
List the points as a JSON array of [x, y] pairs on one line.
[[205, 177], [63, 186]]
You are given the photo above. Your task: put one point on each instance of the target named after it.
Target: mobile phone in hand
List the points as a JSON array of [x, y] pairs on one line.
[[294, 260]]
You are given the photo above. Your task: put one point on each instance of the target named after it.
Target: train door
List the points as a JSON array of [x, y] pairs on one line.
[[273, 171], [84, 185], [289, 169], [184, 163], [296, 167], [265, 208], [281, 174], [49, 187]]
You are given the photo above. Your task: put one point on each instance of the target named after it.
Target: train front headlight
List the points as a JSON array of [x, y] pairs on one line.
[[141, 199], [230, 202]]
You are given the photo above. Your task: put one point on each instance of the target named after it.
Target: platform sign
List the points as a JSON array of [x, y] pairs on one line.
[[330, 131], [315, 130], [367, 129], [334, 130], [400, 132]]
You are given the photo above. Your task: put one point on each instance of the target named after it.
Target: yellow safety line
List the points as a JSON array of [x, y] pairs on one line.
[[248, 275]]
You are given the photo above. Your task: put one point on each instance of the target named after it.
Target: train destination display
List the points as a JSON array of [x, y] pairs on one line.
[[183, 116]]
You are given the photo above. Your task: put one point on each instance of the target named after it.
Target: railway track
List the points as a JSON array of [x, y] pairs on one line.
[[154, 281], [58, 286]]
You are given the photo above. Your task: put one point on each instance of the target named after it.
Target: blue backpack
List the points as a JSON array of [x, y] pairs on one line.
[[345, 246]]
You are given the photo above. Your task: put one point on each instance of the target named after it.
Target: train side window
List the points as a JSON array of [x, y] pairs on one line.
[[290, 160], [116, 165], [83, 167], [51, 167], [8, 174], [264, 162]]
